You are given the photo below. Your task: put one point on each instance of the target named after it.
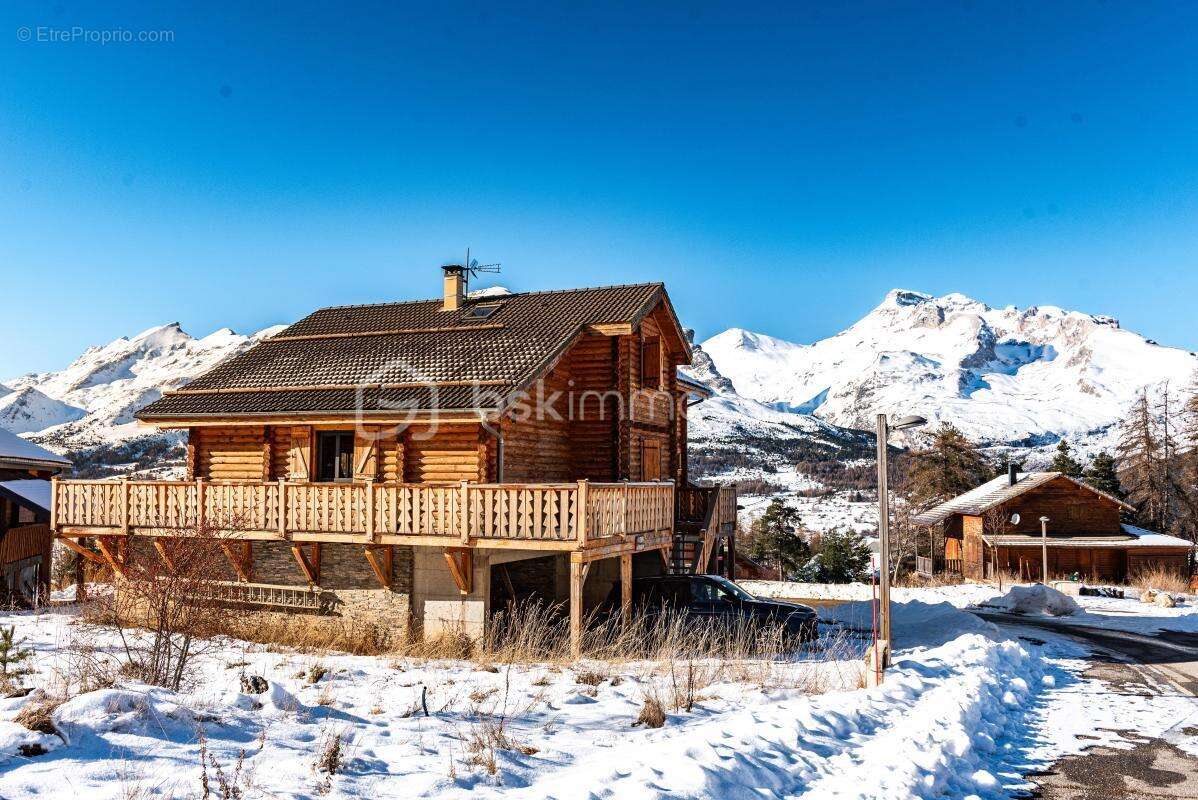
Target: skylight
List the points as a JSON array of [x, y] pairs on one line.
[[483, 311]]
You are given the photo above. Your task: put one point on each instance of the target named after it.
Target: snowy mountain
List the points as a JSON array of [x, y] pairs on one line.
[[91, 403], [1019, 378]]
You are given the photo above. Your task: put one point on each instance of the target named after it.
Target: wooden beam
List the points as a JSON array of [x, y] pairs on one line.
[[301, 558], [379, 559], [626, 587], [667, 557], [461, 567], [83, 551], [160, 546], [611, 328], [108, 551], [240, 564]]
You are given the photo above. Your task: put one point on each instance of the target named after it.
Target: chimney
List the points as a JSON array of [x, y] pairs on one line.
[[1012, 474], [455, 287]]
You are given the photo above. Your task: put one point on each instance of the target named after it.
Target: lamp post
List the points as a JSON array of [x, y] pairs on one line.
[[884, 428], [1044, 550]]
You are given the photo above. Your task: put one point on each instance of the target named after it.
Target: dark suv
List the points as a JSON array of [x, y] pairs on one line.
[[718, 599]]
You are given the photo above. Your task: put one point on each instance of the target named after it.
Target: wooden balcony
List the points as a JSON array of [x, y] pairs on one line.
[[598, 519]]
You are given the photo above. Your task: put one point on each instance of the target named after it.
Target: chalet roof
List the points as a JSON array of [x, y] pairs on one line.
[[31, 493], [19, 453], [994, 493], [411, 355]]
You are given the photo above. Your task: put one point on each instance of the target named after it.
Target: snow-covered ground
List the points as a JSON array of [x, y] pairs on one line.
[[963, 713]]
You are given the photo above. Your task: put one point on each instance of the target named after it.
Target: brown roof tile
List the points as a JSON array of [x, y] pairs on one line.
[[395, 345]]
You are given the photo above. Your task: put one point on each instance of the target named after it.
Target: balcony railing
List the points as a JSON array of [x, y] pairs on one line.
[[561, 515]]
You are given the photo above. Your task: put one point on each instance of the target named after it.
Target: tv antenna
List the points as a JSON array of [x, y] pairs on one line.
[[472, 268]]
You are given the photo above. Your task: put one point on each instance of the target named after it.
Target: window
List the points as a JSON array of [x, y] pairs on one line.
[[483, 311], [335, 456], [651, 363]]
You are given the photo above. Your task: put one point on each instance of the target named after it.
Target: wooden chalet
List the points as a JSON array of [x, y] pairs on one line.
[[25, 541], [974, 535], [433, 460]]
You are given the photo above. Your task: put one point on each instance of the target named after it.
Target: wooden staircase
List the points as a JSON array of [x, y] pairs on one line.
[[688, 546], [703, 516]]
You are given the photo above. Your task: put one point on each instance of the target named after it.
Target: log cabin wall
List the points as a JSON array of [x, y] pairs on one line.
[[537, 433], [442, 454], [1069, 507], [595, 418], [228, 454]]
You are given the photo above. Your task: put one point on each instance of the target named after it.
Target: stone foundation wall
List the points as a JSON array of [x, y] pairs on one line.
[[348, 584]]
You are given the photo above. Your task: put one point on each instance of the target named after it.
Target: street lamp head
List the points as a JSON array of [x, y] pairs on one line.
[[909, 422], [1044, 519]]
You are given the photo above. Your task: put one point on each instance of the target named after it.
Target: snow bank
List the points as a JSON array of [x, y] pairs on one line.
[[1036, 599], [809, 591], [957, 716]]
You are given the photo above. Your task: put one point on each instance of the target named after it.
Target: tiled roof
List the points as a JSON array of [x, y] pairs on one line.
[[408, 355], [994, 493]]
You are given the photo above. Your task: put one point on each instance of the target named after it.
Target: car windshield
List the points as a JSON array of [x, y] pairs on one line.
[[732, 589]]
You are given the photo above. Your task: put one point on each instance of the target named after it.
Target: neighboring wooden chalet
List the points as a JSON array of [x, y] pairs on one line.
[[436, 458], [25, 542], [973, 535]]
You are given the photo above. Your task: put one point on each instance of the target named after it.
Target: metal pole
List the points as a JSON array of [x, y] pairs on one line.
[[883, 528], [1044, 549]]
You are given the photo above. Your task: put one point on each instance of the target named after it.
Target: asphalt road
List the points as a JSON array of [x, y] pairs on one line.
[[1152, 768]]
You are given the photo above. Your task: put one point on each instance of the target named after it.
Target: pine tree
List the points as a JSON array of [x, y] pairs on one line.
[[1064, 462], [776, 539], [949, 466], [1102, 475], [843, 557], [13, 657], [1138, 453]]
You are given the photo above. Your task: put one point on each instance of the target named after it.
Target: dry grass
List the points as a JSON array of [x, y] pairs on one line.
[[39, 716], [652, 714], [1160, 578]]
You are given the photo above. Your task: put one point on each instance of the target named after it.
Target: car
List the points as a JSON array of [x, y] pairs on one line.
[[718, 599]]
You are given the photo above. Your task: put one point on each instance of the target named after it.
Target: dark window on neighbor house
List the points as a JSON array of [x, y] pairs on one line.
[[651, 363], [335, 456]]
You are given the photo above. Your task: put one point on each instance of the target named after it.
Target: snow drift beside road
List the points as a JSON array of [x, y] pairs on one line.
[[1036, 599]]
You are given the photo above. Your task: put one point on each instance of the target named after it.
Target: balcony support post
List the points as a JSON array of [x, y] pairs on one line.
[[626, 587], [578, 579]]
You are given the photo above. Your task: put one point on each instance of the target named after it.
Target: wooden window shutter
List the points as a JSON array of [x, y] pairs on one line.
[[651, 363], [301, 454], [366, 448]]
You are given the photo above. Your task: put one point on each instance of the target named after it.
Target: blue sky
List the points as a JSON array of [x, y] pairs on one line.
[[780, 167]]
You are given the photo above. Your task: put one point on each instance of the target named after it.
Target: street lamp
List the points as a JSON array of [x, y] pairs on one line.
[[884, 428], [1044, 550]]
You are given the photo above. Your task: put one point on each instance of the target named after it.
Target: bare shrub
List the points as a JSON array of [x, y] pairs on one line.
[[652, 714], [171, 600], [224, 782], [331, 753], [1161, 578]]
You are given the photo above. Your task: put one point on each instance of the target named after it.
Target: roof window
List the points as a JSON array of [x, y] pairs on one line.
[[483, 310]]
